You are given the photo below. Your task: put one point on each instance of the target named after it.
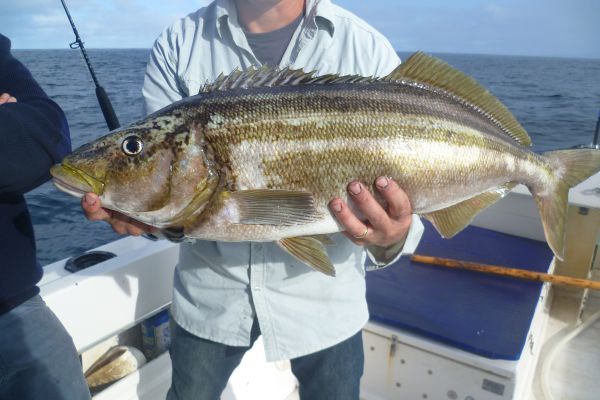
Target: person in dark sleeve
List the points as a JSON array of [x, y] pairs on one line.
[[37, 357]]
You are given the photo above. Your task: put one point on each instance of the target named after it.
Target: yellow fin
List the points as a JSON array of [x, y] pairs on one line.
[[571, 167], [275, 207], [325, 239], [423, 68], [454, 219], [553, 211], [310, 251]]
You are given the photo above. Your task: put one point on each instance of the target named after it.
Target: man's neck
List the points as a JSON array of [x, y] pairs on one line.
[[260, 16]]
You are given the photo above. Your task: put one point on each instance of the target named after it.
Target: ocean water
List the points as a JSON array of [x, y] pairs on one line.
[[555, 99]]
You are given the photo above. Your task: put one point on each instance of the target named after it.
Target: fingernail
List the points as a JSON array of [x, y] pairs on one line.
[[382, 182], [90, 200], [336, 207], [355, 188]]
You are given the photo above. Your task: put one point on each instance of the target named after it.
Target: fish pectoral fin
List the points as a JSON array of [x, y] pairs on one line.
[[449, 221], [275, 207], [310, 251]]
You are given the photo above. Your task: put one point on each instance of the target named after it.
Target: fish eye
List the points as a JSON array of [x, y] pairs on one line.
[[132, 145]]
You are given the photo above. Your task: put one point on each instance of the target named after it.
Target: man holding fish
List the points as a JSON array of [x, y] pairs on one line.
[[227, 293], [262, 156]]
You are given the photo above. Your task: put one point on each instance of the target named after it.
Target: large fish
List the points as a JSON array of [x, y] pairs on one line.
[[257, 156]]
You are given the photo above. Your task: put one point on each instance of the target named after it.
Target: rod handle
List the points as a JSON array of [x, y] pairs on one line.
[[107, 110]]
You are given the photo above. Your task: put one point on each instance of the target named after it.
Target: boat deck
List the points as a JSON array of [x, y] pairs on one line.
[[573, 373], [573, 376]]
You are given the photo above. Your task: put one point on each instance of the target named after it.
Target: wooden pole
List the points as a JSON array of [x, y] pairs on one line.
[[505, 271]]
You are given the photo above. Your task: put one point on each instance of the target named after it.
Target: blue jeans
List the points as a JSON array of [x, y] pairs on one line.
[[201, 368], [37, 357]]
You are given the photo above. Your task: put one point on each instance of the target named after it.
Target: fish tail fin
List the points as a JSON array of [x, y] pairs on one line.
[[570, 167]]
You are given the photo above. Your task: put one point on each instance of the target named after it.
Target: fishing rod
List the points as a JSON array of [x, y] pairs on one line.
[[105, 105], [597, 132], [594, 144]]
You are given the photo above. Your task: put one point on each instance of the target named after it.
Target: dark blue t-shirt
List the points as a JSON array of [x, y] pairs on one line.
[[33, 136]]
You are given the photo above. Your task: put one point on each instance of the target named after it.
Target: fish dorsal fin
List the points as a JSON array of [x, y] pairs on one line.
[[423, 68], [269, 77], [449, 221], [310, 251]]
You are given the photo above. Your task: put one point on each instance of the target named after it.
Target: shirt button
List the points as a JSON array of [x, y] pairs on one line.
[[257, 288]]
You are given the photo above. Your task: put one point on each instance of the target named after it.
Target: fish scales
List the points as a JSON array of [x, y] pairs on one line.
[[286, 144]]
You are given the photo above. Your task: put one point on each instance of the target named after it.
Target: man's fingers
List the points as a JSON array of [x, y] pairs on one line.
[[118, 226], [385, 225], [7, 98], [121, 224], [126, 226], [366, 203], [354, 227], [397, 200], [92, 208], [136, 228]]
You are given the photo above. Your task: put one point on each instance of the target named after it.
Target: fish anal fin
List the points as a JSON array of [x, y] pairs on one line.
[[310, 251], [451, 220], [275, 207], [423, 68], [326, 240]]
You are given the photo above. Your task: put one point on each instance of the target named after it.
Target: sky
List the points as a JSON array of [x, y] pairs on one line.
[[562, 28]]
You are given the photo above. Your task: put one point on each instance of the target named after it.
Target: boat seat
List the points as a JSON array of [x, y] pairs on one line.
[[483, 314]]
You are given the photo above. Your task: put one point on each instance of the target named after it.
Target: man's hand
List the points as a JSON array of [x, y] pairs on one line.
[[383, 228], [7, 98], [120, 223]]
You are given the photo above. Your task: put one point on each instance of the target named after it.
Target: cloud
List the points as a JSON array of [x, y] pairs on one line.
[[47, 21], [523, 27], [101, 23], [532, 27]]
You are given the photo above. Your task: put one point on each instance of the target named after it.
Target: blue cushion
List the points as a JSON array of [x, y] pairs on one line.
[[480, 313]]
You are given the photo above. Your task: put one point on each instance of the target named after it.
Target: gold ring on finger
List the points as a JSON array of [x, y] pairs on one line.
[[364, 235]]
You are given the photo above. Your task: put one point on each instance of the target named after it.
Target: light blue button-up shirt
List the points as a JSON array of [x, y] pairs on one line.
[[220, 287]]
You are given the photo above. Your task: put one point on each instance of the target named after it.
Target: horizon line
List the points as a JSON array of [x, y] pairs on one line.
[[397, 51]]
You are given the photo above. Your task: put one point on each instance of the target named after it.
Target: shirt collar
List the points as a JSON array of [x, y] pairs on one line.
[[322, 14], [319, 15], [225, 12]]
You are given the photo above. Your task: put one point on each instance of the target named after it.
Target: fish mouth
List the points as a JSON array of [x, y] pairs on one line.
[[74, 181]]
